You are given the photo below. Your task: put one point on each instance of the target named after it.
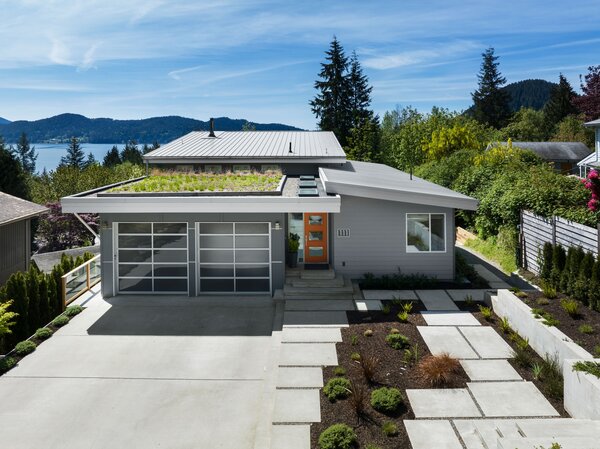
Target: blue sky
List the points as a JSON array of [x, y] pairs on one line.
[[258, 59]]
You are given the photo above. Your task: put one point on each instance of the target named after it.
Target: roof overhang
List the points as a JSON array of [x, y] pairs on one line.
[[242, 160]]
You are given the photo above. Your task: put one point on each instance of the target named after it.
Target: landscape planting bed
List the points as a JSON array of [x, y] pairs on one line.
[[392, 371]]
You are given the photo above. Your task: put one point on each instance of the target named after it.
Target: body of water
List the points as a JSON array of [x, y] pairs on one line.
[[49, 154]]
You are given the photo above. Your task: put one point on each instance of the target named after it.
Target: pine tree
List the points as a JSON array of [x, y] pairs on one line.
[[491, 103], [332, 105], [360, 94], [75, 156], [560, 104], [26, 154], [91, 160], [131, 153], [13, 180], [112, 157], [589, 102]]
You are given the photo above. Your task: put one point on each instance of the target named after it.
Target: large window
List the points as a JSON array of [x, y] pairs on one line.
[[425, 233]]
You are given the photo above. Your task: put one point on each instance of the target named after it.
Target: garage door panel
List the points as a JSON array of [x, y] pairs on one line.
[[135, 285], [135, 270], [252, 271], [135, 241], [134, 255], [170, 285], [252, 228], [164, 255], [135, 228], [216, 256], [170, 270], [216, 271], [216, 241], [170, 228], [170, 241], [252, 256], [216, 228], [252, 241], [217, 285], [252, 285]]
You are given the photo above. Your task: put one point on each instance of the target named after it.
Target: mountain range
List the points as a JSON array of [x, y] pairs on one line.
[[61, 128]]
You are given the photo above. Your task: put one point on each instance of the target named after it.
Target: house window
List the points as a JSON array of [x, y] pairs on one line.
[[425, 233], [269, 167], [241, 168], [213, 168]]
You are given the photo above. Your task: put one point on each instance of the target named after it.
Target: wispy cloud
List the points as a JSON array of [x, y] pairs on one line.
[[177, 74]]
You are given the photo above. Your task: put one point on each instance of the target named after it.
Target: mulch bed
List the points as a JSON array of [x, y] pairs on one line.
[[526, 373], [392, 372], [569, 325]]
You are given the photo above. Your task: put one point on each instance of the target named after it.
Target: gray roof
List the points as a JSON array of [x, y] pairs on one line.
[[46, 261], [15, 209], [553, 151], [379, 181], [262, 146], [593, 123]]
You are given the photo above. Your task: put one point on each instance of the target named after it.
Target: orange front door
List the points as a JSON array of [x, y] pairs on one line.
[[315, 238]]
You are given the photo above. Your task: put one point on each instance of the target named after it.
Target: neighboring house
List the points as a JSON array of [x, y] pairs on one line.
[[47, 261], [564, 156], [593, 160], [354, 217], [15, 233]]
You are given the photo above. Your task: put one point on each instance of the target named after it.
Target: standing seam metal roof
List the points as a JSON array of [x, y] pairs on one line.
[[251, 144]]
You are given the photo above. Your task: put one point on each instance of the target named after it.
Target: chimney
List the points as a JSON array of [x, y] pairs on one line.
[[212, 128]]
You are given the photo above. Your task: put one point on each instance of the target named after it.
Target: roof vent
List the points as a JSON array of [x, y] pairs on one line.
[[212, 128], [290, 150]]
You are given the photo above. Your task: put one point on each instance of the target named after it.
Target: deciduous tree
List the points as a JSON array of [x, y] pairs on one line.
[[589, 102]]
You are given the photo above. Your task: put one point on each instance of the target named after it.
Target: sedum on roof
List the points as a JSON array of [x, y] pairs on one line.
[[250, 145], [380, 181], [553, 151], [15, 209]]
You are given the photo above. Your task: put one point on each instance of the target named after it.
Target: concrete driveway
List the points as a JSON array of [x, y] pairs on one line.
[[152, 372]]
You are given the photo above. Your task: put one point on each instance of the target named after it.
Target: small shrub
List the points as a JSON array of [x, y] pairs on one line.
[[386, 309], [439, 370], [552, 378], [411, 355], [25, 347], [387, 400], [6, 363], [358, 398], [521, 355], [60, 321], [586, 329], [549, 291], [597, 351], [397, 341], [469, 301], [521, 295], [571, 306], [547, 318], [369, 365], [542, 301], [355, 356], [372, 446], [486, 312], [402, 316], [588, 366], [337, 388], [339, 371], [407, 306], [71, 311], [337, 436], [389, 429], [354, 340], [537, 370], [393, 330], [43, 333], [368, 333], [504, 325]]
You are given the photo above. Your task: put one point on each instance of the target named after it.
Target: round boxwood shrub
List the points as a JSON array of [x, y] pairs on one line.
[[7, 363], [25, 347], [337, 436], [43, 333], [337, 388], [397, 341], [386, 400], [60, 321], [73, 310]]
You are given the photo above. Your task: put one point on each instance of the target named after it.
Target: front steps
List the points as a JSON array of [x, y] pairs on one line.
[[318, 285]]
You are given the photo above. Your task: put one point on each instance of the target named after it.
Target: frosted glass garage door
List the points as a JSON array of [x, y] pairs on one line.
[[152, 257], [234, 257]]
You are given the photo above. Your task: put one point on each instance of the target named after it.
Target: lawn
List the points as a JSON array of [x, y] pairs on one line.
[[204, 182], [490, 248]]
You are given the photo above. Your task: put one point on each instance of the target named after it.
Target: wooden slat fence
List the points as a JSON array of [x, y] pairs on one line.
[[536, 230]]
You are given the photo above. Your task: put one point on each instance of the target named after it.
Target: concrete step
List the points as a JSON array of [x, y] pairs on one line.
[[317, 274], [319, 296], [329, 304], [537, 443], [338, 281], [346, 288]]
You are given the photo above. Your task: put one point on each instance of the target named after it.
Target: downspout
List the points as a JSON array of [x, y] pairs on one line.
[[96, 236]]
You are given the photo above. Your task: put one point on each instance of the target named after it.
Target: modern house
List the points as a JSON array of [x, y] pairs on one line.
[[592, 160], [15, 233], [223, 227], [564, 156]]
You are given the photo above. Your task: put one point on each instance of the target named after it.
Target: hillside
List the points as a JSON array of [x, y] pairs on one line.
[[527, 94], [3, 121], [105, 130]]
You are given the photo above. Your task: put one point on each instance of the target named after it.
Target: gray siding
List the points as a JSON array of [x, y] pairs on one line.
[[106, 242], [377, 241], [15, 247]]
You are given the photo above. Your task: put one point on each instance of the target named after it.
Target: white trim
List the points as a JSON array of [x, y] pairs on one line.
[[430, 251]]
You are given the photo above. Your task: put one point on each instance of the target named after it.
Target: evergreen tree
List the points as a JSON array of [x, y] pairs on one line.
[[364, 142], [75, 156], [112, 157], [33, 293], [131, 153], [332, 105], [45, 313], [589, 102], [16, 290], [91, 160], [13, 180], [360, 94], [26, 154], [155, 146], [491, 103], [560, 103]]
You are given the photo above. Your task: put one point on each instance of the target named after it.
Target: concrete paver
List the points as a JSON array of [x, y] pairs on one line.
[[308, 354], [511, 399], [319, 304], [484, 433], [486, 342], [315, 319], [365, 305], [311, 335], [442, 318], [299, 377], [460, 295], [429, 434], [436, 300], [564, 427], [442, 403], [390, 294], [440, 339], [483, 370], [297, 406], [290, 436]]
